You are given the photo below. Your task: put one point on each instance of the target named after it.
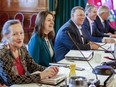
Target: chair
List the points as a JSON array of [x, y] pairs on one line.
[[32, 21], [3, 18], [31, 25], [20, 17]]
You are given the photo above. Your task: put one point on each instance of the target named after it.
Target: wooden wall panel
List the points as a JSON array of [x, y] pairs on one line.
[[23, 5], [27, 7]]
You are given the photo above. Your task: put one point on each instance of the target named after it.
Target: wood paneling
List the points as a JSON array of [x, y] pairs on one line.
[[23, 5], [27, 7]]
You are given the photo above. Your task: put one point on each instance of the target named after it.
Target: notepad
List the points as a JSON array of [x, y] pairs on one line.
[[54, 80], [77, 55]]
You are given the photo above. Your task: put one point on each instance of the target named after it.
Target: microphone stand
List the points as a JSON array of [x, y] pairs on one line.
[[81, 52]]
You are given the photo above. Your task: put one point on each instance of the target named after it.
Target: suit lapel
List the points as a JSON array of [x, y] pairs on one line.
[[100, 24], [87, 21], [76, 31]]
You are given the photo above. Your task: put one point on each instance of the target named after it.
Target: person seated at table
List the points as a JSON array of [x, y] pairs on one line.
[[16, 65], [70, 35], [90, 31], [40, 46], [101, 22]]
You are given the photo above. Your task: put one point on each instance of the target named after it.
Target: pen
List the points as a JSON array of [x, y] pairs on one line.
[[79, 68], [65, 65], [109, 58]]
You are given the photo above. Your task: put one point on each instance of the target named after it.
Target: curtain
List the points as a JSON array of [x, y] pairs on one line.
[[62, 9]]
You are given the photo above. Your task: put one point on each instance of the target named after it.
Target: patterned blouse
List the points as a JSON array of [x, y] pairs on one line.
[[8, 70]]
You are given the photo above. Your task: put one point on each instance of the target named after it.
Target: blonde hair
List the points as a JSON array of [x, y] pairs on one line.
[[103, 9]]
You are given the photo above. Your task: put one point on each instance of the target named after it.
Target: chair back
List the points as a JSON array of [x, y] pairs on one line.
[[32, 21], [20, 17]]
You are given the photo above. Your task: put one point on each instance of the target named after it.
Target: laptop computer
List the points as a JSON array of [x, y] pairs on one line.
[[79, 55]]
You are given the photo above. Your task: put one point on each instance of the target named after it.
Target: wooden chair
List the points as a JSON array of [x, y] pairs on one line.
[[20, 17], [29, 29]]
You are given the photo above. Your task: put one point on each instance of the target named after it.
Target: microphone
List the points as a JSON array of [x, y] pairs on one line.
[[105, 49], [80, 52], [102, 47], [107, 68]]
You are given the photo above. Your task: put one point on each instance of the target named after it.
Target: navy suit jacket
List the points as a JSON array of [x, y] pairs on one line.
[[96, 35], [100, 27], [63, 43]]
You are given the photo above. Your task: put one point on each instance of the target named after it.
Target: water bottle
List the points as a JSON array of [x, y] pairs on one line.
[[72, 70]]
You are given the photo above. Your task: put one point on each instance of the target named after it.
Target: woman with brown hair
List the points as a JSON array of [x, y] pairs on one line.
[[40, 45]]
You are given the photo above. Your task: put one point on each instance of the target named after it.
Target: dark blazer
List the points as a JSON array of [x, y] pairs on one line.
[[63, 43], [96, 35], [8, 70], [100, 27], [39, 50]]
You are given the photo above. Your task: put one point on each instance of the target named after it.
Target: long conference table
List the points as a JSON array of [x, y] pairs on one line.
[[86, 73]]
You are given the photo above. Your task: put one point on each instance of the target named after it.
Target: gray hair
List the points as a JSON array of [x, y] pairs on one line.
[[75, 8], [103, 9], [88, 8], [6, 30]]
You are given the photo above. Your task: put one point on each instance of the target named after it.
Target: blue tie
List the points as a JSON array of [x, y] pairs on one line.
[[92, 25], [103, 24]]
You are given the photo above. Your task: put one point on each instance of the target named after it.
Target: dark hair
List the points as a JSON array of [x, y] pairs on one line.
[[75, 8], [6, 30], [39, 24]]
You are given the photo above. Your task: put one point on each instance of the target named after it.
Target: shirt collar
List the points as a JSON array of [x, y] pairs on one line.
[[90, 21], [101, 19], [79, 27]]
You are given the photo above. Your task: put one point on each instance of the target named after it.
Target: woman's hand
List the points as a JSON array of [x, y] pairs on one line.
[[49, 72]]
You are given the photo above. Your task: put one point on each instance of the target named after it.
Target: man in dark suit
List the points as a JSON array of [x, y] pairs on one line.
[[90, 31], [69, 35], [101, 22]]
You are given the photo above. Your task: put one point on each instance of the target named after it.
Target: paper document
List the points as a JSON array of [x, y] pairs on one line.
[[54, 80]]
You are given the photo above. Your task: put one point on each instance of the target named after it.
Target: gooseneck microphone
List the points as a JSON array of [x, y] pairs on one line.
[[81, 52], [107, 68], [105, 50]]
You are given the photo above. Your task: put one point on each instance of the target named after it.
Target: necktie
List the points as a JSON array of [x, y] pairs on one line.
[[92, 27], [80, 30], [103, 24]]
